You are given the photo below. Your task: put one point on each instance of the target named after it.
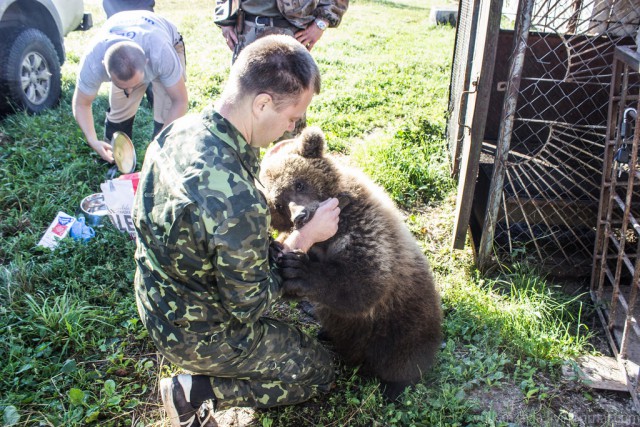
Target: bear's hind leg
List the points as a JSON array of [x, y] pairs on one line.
[[391, 390]]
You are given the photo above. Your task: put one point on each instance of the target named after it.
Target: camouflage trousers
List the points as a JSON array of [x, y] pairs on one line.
[[252, 32], [279, 365]]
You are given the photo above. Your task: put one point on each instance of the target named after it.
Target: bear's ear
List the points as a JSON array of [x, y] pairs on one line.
[[278, 146], [311, 142]]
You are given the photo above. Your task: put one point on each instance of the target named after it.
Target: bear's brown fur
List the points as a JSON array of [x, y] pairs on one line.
[[372, 287]]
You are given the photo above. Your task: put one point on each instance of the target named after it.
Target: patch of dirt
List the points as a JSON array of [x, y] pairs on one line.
[[507, 402], [235, 417], [602, 408], [568, 404]]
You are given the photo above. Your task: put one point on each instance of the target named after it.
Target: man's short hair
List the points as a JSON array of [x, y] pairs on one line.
[[124, 60], [278, 65]]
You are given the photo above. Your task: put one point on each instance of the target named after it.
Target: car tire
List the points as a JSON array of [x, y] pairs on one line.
[[31, 71]]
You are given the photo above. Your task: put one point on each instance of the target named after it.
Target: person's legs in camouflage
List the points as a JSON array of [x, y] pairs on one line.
[[286, 367], [252, 32], [280, 366]]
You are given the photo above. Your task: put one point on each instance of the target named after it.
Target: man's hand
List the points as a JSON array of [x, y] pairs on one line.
[[103, 148], [322, 226], [230, 37], [309, 36], [81, 107]]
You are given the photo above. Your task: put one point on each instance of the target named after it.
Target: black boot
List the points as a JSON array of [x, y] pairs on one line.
[[157, 127], [149, 94], [111, 127]]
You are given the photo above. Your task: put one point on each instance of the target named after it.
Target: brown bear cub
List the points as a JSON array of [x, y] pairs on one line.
[[371, 285]]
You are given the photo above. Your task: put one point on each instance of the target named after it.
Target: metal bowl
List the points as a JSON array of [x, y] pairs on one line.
[[94, 209], [124, 153]]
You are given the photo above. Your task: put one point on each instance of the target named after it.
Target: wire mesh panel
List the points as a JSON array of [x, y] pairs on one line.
[[547, 198]]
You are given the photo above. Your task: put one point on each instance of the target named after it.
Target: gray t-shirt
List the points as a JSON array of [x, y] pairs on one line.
[[154, 34]]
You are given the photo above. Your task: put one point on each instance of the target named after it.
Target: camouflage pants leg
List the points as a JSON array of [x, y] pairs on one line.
[[252, 32], [286, 367], [283, 366]]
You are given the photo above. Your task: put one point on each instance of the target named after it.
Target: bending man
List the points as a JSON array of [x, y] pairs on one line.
[[133, 49]]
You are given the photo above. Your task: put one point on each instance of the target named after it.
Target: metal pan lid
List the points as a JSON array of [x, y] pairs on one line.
[[124, 152]]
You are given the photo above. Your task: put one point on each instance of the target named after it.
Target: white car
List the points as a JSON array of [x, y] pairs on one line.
[[32, 50]]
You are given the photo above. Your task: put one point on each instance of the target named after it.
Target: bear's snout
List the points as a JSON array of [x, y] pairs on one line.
[[300, 215], [301, 219]]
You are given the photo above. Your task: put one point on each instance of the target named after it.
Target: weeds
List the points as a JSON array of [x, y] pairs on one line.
[[62, 320]]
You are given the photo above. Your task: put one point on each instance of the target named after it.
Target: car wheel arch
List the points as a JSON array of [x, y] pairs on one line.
[[40, 15]]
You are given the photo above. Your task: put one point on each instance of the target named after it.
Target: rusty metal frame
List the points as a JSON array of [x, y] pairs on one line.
[[611, 245]]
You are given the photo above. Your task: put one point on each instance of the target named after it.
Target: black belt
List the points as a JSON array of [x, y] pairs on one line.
[[266, 21]]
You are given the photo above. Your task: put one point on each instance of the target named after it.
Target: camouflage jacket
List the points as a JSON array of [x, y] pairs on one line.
[[301, 13], [203, 237]]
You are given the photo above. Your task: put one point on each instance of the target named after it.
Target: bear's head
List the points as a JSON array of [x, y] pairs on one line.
[[296, 177]]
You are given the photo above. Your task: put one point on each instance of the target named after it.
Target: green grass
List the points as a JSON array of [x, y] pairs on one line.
[[73, 349], [411, 164]]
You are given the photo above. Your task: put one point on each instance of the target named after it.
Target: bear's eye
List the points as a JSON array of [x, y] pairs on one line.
[[299, 186]]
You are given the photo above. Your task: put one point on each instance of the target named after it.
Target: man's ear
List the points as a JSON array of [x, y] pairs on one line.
[[260, 102]]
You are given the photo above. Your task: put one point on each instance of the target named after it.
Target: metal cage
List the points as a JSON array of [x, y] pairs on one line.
[[527, 126], [616, 261]]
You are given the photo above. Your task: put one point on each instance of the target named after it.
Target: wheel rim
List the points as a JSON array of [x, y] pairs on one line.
[[35, 78]]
